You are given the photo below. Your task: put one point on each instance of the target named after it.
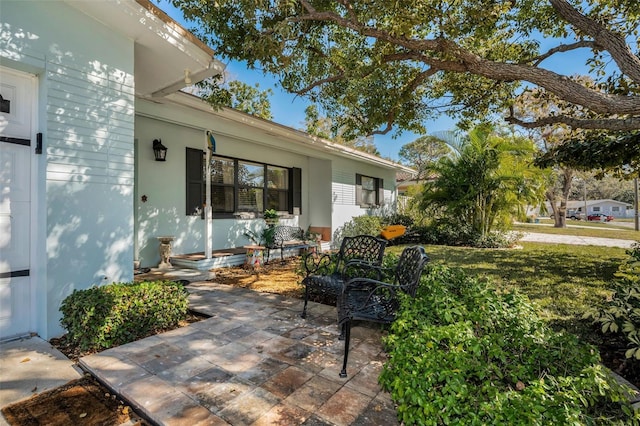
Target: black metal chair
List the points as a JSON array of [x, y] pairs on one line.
[[367, 299], [326, 274]]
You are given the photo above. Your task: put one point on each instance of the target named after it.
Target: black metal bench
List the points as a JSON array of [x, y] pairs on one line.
[[326, 274], [286, 237], [367, 299]]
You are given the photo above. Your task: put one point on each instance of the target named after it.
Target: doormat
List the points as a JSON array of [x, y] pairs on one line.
[[79, 402]]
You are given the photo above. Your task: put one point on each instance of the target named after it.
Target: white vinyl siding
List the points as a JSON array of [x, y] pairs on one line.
[[343, 187], [84, 179], [94, 141]]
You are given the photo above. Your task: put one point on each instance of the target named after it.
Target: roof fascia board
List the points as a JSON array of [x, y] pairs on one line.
[[279, 130]]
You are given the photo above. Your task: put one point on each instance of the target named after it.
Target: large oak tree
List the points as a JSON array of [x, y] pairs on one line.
[[377, 64]]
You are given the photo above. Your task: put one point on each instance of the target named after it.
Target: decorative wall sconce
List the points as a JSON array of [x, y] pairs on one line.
[[159, 150]]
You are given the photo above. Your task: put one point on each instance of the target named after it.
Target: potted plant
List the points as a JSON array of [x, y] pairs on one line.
[[270, 216], [262, 238]]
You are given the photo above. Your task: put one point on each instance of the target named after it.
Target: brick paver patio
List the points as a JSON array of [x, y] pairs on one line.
[[254, 362]]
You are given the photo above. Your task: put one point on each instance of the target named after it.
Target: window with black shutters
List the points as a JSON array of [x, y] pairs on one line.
[[244, 186]]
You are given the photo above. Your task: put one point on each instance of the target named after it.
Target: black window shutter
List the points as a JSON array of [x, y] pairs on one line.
[[295, 190], [380, 192], [358, 190], [195, 181]]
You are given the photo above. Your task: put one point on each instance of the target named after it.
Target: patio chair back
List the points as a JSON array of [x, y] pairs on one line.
[[361, 247]]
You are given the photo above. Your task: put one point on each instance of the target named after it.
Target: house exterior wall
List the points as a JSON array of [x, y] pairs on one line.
[[83, 191], [607, 207], [320, 205], [328, 181], [343, 187], [164, 183]]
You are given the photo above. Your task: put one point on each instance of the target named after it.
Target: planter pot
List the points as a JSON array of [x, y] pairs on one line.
[[271, 221]]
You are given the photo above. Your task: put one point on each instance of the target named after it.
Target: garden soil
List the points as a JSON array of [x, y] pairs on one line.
[[80, 402]]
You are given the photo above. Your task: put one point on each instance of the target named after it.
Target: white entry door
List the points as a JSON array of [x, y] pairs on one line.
[[16, 97]]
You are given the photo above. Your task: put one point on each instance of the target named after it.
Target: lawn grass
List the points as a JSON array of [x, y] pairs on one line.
[[563, 280], [584, 229]]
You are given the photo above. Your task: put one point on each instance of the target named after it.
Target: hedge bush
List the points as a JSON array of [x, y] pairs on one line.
[[463, 353], [103, 317], [621, 312], [358, 225]]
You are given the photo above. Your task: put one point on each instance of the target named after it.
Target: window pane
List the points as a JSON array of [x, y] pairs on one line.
[[250, 199], [368, 197], [368, 183], [222, 170], [250, 174], [222, 199], [277, 177], [278, 200]]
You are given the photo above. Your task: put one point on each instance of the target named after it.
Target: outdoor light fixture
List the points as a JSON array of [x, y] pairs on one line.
[[187, 76], [159, 150]]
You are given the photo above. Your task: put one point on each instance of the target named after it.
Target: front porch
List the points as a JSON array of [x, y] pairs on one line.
[[228, 257]]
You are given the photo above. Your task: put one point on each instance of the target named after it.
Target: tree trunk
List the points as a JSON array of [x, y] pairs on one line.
[[560, 211]]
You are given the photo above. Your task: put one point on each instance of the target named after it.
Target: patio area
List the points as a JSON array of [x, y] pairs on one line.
[[253, 362]]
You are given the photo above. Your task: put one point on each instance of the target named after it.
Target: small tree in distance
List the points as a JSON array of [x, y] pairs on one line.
[[422, 153]]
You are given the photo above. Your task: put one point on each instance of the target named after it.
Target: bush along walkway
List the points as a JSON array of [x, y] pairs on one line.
[[461, 353]]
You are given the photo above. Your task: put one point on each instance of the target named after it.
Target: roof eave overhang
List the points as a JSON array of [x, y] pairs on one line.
[[291, 135], [163, 50]]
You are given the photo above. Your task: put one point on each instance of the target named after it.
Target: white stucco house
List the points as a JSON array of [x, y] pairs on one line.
[[609, 207], [86, 87]]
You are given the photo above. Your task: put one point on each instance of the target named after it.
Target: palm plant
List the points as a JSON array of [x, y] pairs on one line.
[[485, 182]]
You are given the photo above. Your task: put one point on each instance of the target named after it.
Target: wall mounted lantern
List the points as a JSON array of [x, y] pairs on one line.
[[159, 150]]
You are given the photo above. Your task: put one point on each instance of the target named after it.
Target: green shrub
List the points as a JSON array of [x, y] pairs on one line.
[[358, 225], [463, 353], [441, 232], [397, 219], [621, 314], [102, 317]]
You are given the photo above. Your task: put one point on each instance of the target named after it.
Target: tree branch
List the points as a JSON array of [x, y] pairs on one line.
[[561, 48], [615, 44], [621, 124], [466, 61], [320, 82]]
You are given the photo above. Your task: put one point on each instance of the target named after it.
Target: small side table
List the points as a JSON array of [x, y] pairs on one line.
[[165, 251], [255, 256]]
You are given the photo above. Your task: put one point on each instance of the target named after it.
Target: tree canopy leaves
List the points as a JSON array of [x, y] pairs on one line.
[[237, 95], [609, 152], [422, 153], [376, 65]]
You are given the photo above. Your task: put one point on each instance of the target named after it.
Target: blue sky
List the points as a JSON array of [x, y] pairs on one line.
[[288, 109]]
